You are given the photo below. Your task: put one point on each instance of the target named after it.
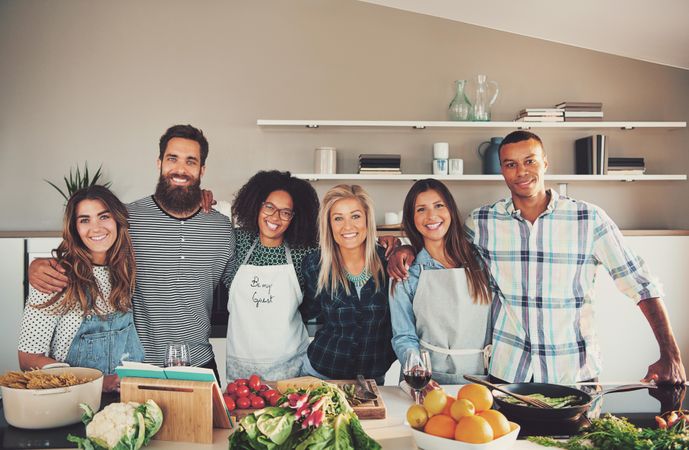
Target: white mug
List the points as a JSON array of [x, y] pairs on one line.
[[440, 167], [456, 166]]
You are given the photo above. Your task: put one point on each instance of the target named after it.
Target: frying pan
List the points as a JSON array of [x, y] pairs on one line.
[[516, 412]]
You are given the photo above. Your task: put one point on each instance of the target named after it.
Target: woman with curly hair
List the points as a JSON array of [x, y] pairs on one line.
[[90, 322], [277, 218]]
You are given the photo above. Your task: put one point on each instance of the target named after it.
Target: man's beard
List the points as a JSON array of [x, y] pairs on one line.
[[178, 199]]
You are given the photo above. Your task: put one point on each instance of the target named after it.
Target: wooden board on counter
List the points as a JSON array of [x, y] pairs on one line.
[[374, 409]]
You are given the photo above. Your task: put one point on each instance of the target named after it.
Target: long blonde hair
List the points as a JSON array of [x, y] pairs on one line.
[[332, 271]]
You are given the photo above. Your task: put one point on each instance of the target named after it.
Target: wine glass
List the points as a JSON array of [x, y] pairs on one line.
[[417, 370], [177, 354]]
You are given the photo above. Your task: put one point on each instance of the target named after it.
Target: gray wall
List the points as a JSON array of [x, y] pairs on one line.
[[97, 81]]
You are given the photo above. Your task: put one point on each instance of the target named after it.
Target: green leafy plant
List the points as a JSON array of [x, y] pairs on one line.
[[79, 179]]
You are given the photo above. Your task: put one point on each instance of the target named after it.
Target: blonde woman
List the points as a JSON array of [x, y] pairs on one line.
[[345, 283]]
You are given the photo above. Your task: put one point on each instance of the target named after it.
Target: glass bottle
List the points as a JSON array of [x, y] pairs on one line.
[[459, 106], [482, 94]]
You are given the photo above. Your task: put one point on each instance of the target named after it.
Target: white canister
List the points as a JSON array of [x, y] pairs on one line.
[[391, 218], [325, 160], [456, 166], [441, 151]]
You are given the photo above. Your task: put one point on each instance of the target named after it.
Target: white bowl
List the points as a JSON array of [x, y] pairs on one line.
[[427, 441], [56, 407]]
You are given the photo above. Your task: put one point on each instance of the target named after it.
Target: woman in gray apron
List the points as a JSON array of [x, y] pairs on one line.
[[70, 328], [277, 216], [444, 305]]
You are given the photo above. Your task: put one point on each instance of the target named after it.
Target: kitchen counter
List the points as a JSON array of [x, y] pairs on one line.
[[390, 432]]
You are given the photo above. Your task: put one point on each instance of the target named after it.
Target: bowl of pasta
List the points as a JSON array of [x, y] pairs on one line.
[[49, 398]]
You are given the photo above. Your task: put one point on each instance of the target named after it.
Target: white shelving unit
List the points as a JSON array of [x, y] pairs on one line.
[[562, 180], [421, 124], [414, 177]]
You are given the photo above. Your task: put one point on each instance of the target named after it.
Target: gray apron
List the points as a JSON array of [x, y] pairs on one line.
[[265, 331], [450, 326]]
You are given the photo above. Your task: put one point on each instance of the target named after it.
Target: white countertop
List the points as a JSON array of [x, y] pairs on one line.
[[390, 432]]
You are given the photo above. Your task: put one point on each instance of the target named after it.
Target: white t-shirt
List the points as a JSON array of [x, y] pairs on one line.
[[44, 332]]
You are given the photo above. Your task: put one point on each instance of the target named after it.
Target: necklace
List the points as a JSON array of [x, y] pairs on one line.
[[358, 280]]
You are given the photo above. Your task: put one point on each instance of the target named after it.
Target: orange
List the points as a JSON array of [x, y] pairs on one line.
[[462, 408], [435, 402], [442, 426], [497, 422], [479, 395], [417, 416], [448, 405], [474, 430]]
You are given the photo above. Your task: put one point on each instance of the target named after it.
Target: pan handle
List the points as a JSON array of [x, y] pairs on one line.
[[625, 388]]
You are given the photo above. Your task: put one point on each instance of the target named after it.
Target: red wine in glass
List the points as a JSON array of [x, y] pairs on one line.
[[417, 378]]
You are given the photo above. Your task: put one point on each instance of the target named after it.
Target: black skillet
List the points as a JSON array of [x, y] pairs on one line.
[[516, 412]]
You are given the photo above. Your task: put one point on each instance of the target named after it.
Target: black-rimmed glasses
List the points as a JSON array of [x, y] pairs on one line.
[[269, 209]]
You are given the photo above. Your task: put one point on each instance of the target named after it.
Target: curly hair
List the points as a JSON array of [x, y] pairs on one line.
[[303, 229]]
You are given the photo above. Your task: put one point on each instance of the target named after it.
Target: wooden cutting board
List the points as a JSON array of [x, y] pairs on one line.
[[374, 409]]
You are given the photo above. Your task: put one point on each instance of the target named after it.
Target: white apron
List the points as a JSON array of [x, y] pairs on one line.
[[265, 331], [450, 326]]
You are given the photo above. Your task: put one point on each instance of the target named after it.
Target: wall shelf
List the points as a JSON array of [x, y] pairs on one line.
[[420, 125], [414, 177]]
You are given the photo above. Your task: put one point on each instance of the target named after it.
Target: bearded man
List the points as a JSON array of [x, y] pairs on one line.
[[181, 254]]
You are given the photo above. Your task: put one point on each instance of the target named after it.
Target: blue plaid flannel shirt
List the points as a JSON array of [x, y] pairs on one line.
[[355, 336], [545, 274]]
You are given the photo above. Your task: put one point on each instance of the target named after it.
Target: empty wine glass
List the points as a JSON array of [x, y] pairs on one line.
[[177, 354], [417, 370]]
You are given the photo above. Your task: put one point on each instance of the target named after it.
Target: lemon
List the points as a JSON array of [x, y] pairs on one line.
[[417, 416], [435, 402]]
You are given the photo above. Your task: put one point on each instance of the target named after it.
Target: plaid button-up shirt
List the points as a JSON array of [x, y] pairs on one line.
[[356, 333], [545, 274]]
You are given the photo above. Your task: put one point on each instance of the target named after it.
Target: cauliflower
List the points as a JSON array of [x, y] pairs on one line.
[[119, 426]]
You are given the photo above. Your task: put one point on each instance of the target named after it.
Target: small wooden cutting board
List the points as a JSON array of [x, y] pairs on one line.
[[374, 409]]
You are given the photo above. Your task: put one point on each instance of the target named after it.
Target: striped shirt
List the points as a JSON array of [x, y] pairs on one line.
[[545, 274], [179, 264]]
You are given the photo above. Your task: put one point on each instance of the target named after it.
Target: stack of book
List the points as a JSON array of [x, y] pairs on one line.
[[375, 164], [541, 115], [626, 166], [590, 156], [581, 111]]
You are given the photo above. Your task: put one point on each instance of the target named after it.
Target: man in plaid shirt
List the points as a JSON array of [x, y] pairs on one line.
[[542, 251]]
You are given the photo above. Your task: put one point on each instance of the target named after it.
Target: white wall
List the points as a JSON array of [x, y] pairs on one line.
[[101, 81]]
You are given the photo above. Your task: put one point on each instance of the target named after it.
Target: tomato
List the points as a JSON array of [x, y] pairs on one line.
[[243, 391], [232, 396], [241, 382], [264, 387], [243, 403], [229, 402], [255, 382], [269, 393], [231, 388], [258, 402], [273, 400]]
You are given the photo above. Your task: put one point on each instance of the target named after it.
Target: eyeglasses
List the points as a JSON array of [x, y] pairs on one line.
[[269, 209]]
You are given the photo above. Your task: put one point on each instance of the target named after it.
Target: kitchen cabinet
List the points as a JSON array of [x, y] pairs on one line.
[[11, 300]]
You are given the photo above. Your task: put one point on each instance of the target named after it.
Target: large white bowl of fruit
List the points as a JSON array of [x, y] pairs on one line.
[[466, 422]]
